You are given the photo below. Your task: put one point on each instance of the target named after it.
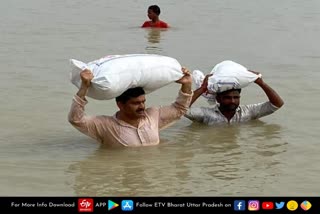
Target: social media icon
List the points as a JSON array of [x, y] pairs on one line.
[[112, 205], [253, 205], [126, 205], [305, 205], [85, 205], [267, 205], [279, 205], [292, 205], [239, 205]]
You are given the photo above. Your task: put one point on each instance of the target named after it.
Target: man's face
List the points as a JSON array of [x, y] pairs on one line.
[[134, 108], [229, 101], [151, 15]]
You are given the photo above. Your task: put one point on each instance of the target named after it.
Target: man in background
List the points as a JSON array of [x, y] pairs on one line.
[[228, 109], [153, 14]]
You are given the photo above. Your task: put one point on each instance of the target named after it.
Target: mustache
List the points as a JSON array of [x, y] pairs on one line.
[[229, 107], [140, 109]]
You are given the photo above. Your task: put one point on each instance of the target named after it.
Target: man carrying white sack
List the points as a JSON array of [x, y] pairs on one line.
[[133, 124], [227, 91]]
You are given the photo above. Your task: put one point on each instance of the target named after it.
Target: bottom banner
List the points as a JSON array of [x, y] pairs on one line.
[[111, 204]]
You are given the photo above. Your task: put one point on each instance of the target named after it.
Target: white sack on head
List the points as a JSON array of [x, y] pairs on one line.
[[229, 75], [226, 75], [115, 74], [198, 77]]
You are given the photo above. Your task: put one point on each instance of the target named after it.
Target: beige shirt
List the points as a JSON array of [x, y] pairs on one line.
[[112, 131]]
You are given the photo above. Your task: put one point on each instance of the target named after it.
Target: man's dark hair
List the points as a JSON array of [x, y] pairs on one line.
[[225, 92], [130, 93], [155, 9]]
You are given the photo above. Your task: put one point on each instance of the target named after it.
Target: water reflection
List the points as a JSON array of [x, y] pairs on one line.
[[154, 38], [154, 35], [131, 172], [216, 152], [198, 160], [232, 157]]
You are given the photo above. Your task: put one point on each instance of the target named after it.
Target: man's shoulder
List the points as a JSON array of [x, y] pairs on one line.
[[146, 24], [152, 109], [204, 109], [106, 117], [255, 105], [266, 106], [164, 24]]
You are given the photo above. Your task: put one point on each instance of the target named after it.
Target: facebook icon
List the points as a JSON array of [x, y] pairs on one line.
[[239, 205]]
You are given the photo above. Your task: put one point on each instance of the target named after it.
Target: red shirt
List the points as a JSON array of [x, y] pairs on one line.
[[159, 24]]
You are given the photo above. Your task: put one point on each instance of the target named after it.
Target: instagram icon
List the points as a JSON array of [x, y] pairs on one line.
[[253, 205]]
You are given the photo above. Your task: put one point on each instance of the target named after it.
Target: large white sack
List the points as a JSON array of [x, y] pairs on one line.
[[198, 77], [115, 74], [226, 75]]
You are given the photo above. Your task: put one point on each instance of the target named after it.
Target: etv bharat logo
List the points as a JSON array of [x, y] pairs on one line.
[[85, 205]]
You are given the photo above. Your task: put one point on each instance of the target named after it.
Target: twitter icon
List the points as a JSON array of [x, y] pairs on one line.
[[279, 205]]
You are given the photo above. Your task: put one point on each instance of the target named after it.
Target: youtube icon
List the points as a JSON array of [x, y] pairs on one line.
[[267, 205]]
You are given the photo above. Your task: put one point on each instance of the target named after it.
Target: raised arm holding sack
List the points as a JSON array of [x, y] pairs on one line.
[[133, 124], [223, 87]]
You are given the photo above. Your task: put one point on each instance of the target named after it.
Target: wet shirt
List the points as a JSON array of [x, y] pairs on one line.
[[115, 132], [159, 24], [244, 113]]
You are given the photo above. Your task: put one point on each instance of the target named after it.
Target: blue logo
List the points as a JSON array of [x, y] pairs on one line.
[[239, 205], [126, 205], [279, 205]]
